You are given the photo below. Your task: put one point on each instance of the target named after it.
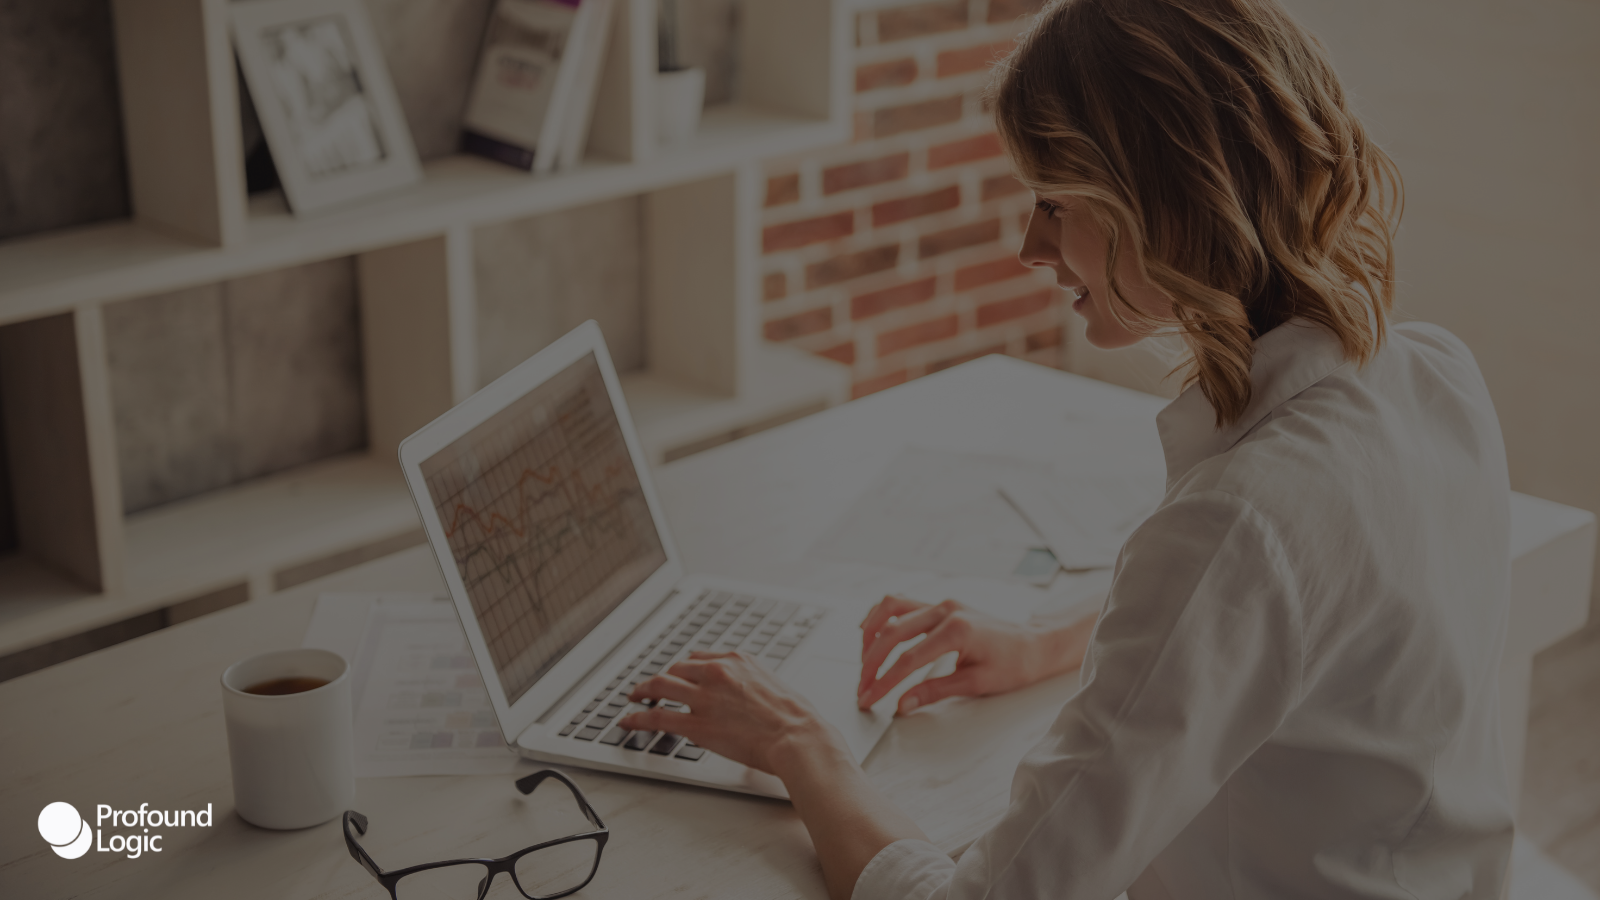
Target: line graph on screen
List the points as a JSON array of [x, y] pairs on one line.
[[546, 521], [551, 483]]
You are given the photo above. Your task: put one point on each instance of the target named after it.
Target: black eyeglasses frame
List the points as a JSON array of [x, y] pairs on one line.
[[505, 864]]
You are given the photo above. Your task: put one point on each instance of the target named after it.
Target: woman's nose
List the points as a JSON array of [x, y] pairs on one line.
[[1037, 247]]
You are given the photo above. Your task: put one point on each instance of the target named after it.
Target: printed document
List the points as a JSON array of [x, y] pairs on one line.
[[940, 511], [995, 517], [420, 704]]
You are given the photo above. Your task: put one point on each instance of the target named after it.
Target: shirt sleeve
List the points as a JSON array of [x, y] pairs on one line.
[[1195, 662]]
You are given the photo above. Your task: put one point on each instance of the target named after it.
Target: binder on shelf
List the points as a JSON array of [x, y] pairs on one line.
[[575, 130], [537, 75]]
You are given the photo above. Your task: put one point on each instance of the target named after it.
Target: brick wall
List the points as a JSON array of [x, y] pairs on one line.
[[896, 253]]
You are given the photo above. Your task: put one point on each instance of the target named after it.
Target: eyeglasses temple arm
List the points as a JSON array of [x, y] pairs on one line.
[[358, 852], [527, 784]]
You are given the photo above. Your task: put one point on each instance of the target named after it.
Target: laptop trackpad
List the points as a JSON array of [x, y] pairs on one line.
[[830, 685]]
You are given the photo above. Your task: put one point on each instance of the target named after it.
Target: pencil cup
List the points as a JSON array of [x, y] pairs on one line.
[[290, 738], [679, 97]]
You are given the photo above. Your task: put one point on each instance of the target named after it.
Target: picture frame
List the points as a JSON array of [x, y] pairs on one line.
[[322, 91]]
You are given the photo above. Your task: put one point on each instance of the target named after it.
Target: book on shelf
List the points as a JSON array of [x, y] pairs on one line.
[[533, 95]]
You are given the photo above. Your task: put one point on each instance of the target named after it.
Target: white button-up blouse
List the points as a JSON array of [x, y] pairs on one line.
[[1291, 690]]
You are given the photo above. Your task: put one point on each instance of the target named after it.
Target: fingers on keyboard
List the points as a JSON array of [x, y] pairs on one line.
[[768, 630]]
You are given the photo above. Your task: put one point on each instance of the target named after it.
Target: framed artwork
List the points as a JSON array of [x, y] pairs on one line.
[[322, 92]]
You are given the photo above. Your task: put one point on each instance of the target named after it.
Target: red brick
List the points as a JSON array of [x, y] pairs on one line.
[[892, 211], [775, 286], [971, 59], [920, 333], [852, 265], [845, 353], [1043, 340], [908, 294], [1001, 186], [809, 322], [904, 22], [914, 116], [958, 237], [864, 173], [1014, 308], [981, 274], [861, 127], [984, 146], [783, 189], [894, 73], [965, 357], [790, 235], [873, 385], [1011, 10]]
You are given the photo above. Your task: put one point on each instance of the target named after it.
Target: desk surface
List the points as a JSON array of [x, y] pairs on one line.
[[141, 722]]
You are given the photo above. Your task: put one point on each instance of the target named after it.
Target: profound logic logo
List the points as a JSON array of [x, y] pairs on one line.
[[66, 831], [70, 836]]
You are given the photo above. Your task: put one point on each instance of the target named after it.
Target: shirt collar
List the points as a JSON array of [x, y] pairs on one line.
[[1287, 360]]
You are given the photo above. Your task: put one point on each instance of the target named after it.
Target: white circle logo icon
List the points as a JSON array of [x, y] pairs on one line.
[[66, 831]]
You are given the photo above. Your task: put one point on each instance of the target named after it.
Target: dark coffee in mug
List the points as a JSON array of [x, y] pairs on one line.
[[277, 686]]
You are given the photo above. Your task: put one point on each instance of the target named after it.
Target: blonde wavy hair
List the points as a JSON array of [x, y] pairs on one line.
[[1212, 138]]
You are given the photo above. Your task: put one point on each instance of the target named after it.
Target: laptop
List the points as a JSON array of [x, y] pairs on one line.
[[538, 504]]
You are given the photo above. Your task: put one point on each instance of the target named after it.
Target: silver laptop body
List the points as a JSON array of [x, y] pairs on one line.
[[538, 503]]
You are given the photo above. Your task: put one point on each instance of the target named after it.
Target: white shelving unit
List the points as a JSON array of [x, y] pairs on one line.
[[710, 377]]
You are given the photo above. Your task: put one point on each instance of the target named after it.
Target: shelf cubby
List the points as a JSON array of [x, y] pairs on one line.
[[85, 568]]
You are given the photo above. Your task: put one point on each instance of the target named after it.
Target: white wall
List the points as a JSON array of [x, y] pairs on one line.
[[1492, 112]]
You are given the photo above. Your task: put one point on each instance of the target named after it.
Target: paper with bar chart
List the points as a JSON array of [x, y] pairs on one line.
[[546, 520]]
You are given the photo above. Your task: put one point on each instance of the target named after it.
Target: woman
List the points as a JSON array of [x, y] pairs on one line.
[[1290, 689]]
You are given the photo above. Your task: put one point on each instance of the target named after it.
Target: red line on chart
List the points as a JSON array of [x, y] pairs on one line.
[[463, 512]]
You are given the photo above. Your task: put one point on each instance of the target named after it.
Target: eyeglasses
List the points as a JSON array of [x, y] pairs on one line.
[[541, 872]]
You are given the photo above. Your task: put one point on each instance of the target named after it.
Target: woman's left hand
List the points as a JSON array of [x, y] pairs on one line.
[[736, 709]]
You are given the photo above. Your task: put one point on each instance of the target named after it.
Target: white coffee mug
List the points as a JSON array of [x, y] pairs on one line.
[[679, 96], [292, 754]]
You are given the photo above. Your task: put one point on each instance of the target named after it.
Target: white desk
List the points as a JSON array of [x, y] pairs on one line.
[[141, 722]]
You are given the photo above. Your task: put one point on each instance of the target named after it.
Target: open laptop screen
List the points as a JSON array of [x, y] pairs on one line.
[[546, 521]]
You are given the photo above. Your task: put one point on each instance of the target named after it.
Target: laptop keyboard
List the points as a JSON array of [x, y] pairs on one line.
[[718, 621]]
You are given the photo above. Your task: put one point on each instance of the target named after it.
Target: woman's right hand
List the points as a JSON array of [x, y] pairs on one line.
[[994, 656]]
